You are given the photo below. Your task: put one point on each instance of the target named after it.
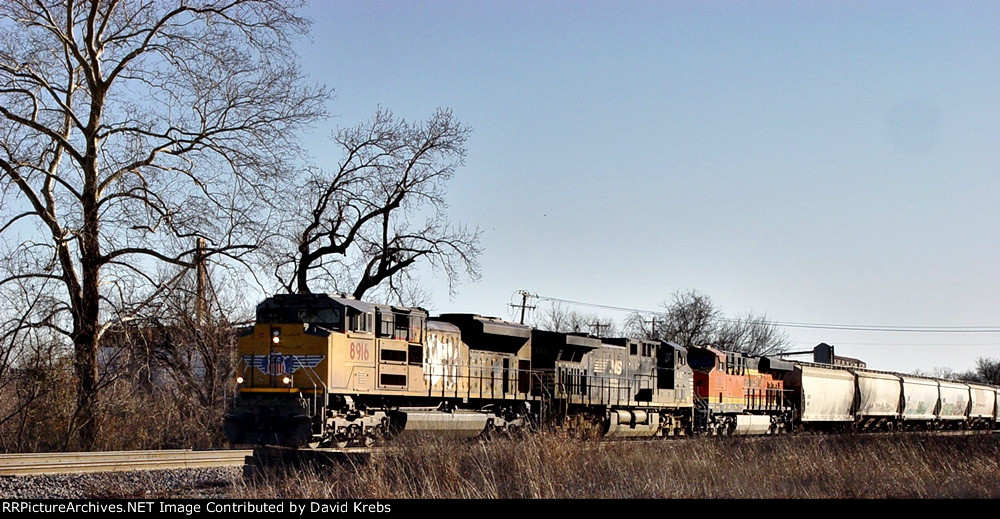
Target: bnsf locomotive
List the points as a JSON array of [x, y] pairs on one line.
[[319, 370]]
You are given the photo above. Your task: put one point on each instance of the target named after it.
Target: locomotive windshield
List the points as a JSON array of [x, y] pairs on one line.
[[326, 317], [301, 309], [322, 316], [701, 362]]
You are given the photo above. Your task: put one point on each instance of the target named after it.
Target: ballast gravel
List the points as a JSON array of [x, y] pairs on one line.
[[147, 484]]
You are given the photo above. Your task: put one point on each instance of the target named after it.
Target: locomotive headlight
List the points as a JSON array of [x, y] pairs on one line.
[[286, 380], [239, 379], [275, 336]]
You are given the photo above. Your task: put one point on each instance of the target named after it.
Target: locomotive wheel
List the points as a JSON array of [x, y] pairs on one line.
[[340, 441], [378, 433], [587, 428], [489, 432]]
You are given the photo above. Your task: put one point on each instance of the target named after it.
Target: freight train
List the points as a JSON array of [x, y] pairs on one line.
[[324, 371]]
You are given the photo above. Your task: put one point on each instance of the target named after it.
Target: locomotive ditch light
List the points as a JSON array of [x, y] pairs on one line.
[[286, 380], [239, 379]]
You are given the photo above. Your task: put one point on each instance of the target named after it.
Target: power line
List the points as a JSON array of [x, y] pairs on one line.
[[820, 326], [905, 343], [595, 305], [888, 328]]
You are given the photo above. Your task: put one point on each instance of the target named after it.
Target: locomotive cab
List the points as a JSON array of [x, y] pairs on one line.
[[737, 393]]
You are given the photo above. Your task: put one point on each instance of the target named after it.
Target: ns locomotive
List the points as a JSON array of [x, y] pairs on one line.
[[323, 371]]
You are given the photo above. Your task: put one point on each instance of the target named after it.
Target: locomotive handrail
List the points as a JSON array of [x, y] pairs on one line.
[[479, 376], [601, 389], [321, 406]]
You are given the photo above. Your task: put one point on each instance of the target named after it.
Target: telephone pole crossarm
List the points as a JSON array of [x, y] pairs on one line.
[[524, 303]]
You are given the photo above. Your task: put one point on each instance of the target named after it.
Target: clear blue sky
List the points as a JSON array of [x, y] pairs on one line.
[[821, 162]]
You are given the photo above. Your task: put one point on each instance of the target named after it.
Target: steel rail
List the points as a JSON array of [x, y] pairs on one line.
[[34, 464]]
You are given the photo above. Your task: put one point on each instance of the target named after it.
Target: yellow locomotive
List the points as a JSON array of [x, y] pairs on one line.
[[321, 370], [324, 370]]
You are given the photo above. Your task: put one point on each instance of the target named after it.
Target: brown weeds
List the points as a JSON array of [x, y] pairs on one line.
[[548, 465]]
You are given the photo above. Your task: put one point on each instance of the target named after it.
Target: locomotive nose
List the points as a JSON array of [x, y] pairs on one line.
[[272, 420]]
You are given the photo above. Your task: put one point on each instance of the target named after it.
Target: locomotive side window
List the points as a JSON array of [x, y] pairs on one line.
[[416, 328], [416, 353], [386, 324], [633, 349], [361, 323], [402, 327]]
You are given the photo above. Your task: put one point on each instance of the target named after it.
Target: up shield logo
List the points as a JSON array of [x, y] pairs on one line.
[[280, 364]]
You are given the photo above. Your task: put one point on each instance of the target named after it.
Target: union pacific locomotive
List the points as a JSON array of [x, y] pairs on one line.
[[317, 370]]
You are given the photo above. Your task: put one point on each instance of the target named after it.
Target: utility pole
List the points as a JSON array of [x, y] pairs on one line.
[[524, 303], [201, 285], [652, 328], [598, 326]]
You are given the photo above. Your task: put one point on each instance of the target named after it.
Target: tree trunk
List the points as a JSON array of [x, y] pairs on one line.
[[88, 311], [85, 364], [302, 274]]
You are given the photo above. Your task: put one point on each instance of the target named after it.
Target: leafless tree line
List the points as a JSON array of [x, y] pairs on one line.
[[690, 319], [987, 371]]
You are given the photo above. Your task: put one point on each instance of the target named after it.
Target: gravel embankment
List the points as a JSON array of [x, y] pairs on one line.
[[153, 484]]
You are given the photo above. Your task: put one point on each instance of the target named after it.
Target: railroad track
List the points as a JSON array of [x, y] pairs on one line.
[[79, 462], [118, 461]]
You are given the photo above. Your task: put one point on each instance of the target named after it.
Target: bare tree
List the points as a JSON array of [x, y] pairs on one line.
[[381, 210], [691, 319], [557, 318], [987, 371], [751, 334], [128, 129], [644, 326], [941, 372]]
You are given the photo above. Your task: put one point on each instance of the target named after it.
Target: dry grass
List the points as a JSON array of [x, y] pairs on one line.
[[552, 466]]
